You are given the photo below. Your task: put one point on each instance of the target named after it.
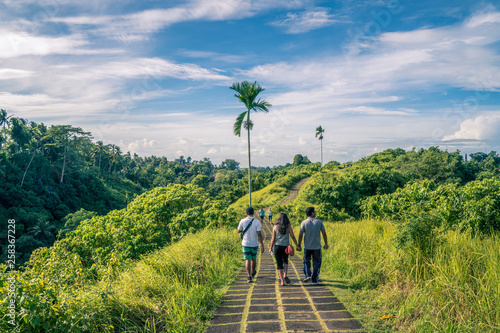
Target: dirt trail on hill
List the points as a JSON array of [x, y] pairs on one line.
[[294, 191]]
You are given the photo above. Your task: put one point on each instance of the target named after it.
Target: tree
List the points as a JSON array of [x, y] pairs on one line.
[[98, 150], [43, 230], [37, 133], [201, 181], [247, 93], [20, 135], [4, 119], [64, 139], [73, 220], [229, 164], [319, 131], [299, 159]]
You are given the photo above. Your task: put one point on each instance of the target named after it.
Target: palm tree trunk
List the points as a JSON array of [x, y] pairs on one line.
[[249, 171], [25, 171], [64, 166], [99, 174], [321, 152]]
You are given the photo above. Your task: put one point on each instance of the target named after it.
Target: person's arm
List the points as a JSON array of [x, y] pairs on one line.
[[273, 240], [301, 234], [324, 239], [261, 241], [290, 231]]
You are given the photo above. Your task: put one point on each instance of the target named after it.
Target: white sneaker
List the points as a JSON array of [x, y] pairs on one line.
[[307, 279]]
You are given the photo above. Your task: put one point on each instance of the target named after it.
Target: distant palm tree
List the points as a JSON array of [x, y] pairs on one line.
[[247, 93], [43, 230], [319, 131], [97, 151], [4, 119]]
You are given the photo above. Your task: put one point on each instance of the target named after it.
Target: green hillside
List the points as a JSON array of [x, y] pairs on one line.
[[421, 250]]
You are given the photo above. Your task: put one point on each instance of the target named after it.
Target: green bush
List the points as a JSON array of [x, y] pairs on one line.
[[175, 289], [474, 207], [346, 190], [100, 246]]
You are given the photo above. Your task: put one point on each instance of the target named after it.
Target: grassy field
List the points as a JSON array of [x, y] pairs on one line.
[[456, 289], [175, 289]]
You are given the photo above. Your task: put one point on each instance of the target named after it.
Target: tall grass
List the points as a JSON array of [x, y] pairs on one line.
[[173, 290], [455, 289]]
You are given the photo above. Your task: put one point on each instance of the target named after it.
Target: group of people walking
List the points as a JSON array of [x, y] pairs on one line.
[[311, 230], [262, 213]]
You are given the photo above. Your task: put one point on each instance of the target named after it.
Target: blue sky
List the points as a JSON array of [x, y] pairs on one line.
[[154, 76]]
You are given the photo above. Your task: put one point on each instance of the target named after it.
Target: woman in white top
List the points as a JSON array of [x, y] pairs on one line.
[[282, 231]]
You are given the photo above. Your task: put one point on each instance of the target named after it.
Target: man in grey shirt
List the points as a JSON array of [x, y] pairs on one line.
[[311, 228]]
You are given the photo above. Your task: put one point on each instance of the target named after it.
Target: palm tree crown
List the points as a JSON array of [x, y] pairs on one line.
[[247, 93], [319, 131]]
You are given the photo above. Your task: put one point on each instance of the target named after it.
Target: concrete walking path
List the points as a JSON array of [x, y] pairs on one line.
[[264, 306]]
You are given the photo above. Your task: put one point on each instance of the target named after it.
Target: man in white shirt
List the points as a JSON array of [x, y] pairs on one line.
[[251, 231]]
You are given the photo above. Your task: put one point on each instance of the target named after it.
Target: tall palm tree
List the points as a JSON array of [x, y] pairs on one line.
[[247, 93], [319, 131]]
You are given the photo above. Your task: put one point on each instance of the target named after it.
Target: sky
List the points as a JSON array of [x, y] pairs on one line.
[[153, 76]]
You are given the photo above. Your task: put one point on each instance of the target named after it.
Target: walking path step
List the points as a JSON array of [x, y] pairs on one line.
[[264, 306]]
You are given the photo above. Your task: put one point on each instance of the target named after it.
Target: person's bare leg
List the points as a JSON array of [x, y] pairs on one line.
[[285, 269], [254, 266], [248, 267], [281, 274]]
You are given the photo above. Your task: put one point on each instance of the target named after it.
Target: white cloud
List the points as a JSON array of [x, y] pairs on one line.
[[40, 106], [380, 111], [483, 18], [306, 21], [10, 73], [457, 56], [484, 127], [214, 55], [16, 44], [155, 68], [140, 145], [137, 26]]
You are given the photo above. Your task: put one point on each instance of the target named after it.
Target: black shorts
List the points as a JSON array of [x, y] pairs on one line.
[[280, 255]]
